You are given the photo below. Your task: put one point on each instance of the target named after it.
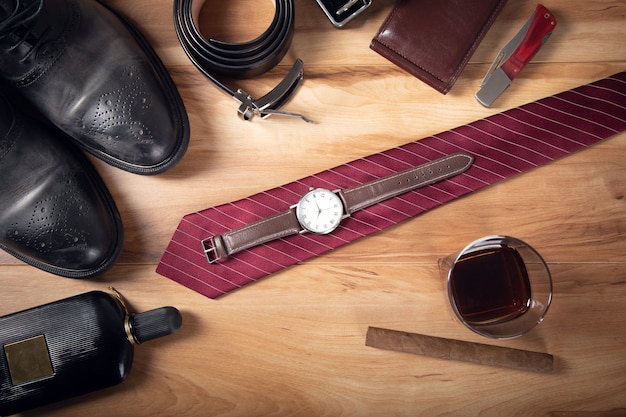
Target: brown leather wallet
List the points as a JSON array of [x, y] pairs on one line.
[[434, 39]]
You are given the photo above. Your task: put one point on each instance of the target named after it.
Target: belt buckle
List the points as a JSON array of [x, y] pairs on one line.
[[340, 12], [271, 102]]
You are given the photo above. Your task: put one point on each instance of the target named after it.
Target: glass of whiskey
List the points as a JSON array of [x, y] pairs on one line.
[[498, 286]]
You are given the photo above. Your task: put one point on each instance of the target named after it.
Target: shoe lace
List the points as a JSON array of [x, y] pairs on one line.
[[18, 25]]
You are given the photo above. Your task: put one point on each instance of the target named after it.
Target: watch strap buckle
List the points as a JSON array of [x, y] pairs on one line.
[[213, 249]]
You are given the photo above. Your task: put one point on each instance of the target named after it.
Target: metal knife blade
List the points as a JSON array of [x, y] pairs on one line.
[[516, 54]]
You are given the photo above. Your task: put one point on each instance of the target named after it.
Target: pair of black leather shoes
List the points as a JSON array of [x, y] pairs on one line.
[[92, 75]]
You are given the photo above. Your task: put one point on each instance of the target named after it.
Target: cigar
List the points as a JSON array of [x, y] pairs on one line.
[[459, 350]]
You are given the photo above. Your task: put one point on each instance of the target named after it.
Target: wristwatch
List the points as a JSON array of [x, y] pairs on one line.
[[320, 210]]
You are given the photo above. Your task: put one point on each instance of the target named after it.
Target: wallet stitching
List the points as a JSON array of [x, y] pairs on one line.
[[466, 56], [479, 38], [410, 60], [389, 47]]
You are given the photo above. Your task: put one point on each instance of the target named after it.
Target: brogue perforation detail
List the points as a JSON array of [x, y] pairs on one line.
[[49, 226], [117, 110], [49, 52]]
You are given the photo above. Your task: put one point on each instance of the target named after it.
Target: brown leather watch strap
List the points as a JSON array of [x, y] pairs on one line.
[[365, 195], [262, 231], [286, 223]]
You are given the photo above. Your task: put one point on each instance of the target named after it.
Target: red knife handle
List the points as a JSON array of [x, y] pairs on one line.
[[540, 29]]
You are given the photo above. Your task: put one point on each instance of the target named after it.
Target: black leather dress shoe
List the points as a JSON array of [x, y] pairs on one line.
[[55, 211], [93, 75]]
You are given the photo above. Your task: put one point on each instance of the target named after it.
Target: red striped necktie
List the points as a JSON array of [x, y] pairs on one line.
[[503, 145]]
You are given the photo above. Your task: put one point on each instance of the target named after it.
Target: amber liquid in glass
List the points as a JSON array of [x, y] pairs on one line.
[[490, 285]]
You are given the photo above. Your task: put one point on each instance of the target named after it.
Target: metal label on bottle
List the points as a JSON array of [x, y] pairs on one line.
[[28, 360]]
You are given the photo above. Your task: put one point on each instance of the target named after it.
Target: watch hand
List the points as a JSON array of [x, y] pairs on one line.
[[319, 209]]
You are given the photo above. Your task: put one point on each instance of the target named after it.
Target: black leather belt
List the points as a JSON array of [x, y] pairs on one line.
[[243, 60]]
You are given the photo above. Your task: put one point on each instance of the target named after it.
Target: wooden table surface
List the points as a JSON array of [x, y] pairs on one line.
[[293, 344]]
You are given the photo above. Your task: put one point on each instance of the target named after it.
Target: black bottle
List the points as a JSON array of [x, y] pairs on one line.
[[72, 346]]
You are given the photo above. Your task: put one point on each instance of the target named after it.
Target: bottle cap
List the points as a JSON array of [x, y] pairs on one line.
[[155, 323]]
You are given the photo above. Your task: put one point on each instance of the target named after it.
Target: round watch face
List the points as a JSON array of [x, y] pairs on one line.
[[319, 211]]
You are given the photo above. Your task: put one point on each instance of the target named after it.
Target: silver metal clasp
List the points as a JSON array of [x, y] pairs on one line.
[[209, 250], [270, 103], [341, 12]]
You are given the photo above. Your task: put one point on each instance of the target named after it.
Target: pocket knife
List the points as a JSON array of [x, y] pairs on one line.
[[516, 54]]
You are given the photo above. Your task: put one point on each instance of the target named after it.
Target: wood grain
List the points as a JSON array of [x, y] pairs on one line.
[[293, 344]]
